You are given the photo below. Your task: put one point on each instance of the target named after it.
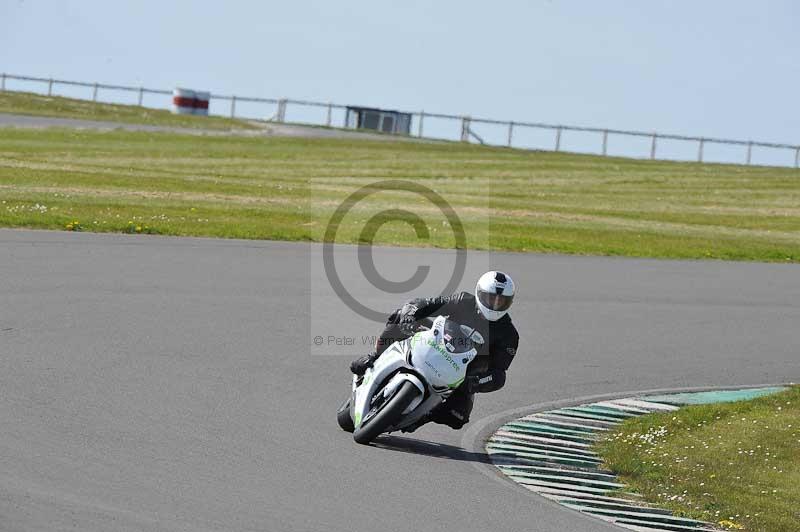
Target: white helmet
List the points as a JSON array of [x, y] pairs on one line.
[[494, 294]]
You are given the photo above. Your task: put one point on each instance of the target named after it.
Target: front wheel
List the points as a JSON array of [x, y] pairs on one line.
[[384, 415], [343, 417]]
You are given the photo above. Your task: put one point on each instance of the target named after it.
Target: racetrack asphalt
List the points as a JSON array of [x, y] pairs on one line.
[[265, 129], [158, 383]]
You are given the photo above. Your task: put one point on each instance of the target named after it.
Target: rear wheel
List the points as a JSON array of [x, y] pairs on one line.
[[383, 415], [344, 418]]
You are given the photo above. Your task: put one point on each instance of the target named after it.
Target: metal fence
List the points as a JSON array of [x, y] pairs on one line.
[[463, 128]]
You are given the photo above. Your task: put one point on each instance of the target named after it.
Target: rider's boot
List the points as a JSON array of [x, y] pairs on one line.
[[360, 365]]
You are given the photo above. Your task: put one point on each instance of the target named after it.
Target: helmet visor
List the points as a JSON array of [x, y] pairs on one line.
[[494, 301]]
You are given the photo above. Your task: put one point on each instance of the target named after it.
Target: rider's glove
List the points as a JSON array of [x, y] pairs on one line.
[[486, 382], [408, 324]]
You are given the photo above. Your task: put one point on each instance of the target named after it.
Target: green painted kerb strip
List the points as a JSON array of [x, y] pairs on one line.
[[720, 396], [531, 452]]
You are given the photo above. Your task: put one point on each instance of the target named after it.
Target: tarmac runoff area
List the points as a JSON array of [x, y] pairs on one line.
[[265, 129], [157, 383]]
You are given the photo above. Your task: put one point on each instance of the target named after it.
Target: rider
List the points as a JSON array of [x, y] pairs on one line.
[[487, 312]]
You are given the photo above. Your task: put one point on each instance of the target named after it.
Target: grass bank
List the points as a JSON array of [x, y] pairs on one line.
[[24, 103], [735, 464], [288, 188]]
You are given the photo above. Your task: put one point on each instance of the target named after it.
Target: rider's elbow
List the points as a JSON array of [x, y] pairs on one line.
[[493, 381], [500, 379]]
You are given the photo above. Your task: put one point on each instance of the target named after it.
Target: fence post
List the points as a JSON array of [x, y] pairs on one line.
[[653, 147], [233, 106], [749, 151], [141, 95], [50, 87], [421, 120], [465, 128], [605, 142], [330, 113], [94, 92], [510, 133], [558, 138], [281, 115], [700, 150], [3, 82]]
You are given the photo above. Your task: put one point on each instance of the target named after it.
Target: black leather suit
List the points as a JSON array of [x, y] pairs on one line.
[[494, 355]]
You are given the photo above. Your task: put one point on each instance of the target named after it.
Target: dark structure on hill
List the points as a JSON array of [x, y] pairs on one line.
[[382, 120]]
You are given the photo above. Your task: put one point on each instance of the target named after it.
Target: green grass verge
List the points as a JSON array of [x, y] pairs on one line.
[[736, 464], [287, 189], [24, 103]]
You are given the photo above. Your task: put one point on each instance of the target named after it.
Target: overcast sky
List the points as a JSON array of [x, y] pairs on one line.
[[712, 68]]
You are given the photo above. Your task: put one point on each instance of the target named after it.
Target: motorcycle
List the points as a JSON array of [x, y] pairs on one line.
[[409, 380]]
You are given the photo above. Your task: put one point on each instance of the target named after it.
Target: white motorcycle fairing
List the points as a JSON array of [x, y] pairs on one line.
[[426, 360]]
